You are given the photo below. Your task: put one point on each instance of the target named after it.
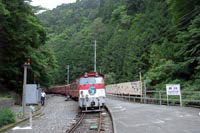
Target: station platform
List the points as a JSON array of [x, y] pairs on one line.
[[132, 117], [57, 117]]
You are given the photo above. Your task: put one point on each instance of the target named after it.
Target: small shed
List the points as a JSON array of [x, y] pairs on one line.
[[33, 94]]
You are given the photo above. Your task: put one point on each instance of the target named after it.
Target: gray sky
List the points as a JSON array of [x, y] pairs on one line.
[[50, 4]]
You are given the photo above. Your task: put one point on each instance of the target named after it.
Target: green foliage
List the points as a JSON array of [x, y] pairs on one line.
[[6, 117], [183, 10], [4, 94], [44, 65], [120, 15], [110, 78], [156, 37], [21, 36], [190, 51]]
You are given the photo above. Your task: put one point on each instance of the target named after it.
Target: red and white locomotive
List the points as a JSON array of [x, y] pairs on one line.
[[88, 89], [91, 90]]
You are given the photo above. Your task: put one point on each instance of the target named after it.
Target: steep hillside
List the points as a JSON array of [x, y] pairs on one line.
[[156, 37], [21, 37]]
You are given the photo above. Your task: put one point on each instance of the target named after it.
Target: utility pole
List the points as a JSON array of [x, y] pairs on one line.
[[26, 65], [67, 74], [24, 90], [140, 76], [95, 69]]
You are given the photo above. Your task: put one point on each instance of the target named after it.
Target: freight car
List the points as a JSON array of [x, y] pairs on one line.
[[88, 89], [59, 89]]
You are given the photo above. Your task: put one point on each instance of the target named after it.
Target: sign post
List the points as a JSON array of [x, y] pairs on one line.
[[181, 99], [173, 90], [32, 109], [167, 100]]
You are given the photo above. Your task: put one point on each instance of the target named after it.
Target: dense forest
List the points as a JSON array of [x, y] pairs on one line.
[[159, 38], [22, 36]]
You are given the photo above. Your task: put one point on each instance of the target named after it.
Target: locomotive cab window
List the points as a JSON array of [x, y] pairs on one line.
[[99, 80], [91, 80]]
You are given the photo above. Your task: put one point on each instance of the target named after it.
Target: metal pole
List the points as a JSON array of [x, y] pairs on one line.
[[167, 100], [181, 99], [30, 120], [160, 98], [68, 74], [24, 90], [95, 55]]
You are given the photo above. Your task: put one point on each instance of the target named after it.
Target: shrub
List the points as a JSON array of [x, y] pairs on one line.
[[6, 117], [5, 95]]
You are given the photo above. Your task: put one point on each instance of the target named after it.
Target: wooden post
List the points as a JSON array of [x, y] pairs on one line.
[[141, 87], [145, 92]]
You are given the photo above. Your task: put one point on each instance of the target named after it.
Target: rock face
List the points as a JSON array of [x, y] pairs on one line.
[[6, 102]]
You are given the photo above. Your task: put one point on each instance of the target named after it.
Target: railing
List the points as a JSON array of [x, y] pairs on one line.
[[189, 98]]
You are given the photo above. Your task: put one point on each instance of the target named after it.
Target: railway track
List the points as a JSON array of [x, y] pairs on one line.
[[98, 122]]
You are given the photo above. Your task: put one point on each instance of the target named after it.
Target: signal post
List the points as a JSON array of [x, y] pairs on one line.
[[26, 65]]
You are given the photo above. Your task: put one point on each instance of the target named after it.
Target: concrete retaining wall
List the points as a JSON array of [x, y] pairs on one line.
[[6, 102]]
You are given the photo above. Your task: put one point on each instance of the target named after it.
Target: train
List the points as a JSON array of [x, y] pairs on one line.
[[88, 89]]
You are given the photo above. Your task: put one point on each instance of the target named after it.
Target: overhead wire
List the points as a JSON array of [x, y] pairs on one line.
[[183, 19], [192, 13]]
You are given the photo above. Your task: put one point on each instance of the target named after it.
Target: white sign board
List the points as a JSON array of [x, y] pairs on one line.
[[31, 94], [173, 89]]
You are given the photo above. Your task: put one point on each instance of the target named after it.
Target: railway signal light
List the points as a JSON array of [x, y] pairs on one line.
[[28, 61], [86, 75]]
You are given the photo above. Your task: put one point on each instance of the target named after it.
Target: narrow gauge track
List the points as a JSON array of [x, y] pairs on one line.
[[75, 126], [98, 122]]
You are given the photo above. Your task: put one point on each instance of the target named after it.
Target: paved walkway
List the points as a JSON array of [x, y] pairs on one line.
[[58, 114], [132, 117]]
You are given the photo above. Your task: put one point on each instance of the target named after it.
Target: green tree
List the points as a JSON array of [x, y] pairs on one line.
[[190, 51], [21, 36]]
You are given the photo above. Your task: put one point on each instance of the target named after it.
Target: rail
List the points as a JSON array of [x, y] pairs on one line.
[[76, 125], [100, 122], [96, 123]]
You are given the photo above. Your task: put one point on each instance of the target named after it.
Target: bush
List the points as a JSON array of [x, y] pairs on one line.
[[5, 95], [6, 117]]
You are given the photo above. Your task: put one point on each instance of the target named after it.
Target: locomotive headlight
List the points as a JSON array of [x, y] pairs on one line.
[[86, 74], [82, 94], [92, 90], [96, 74], [87, 98]]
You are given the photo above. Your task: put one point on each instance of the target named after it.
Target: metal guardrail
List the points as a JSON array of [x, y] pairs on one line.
[[189, 98]]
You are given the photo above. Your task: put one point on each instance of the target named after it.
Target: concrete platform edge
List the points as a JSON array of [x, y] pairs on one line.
[[112, 118]]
